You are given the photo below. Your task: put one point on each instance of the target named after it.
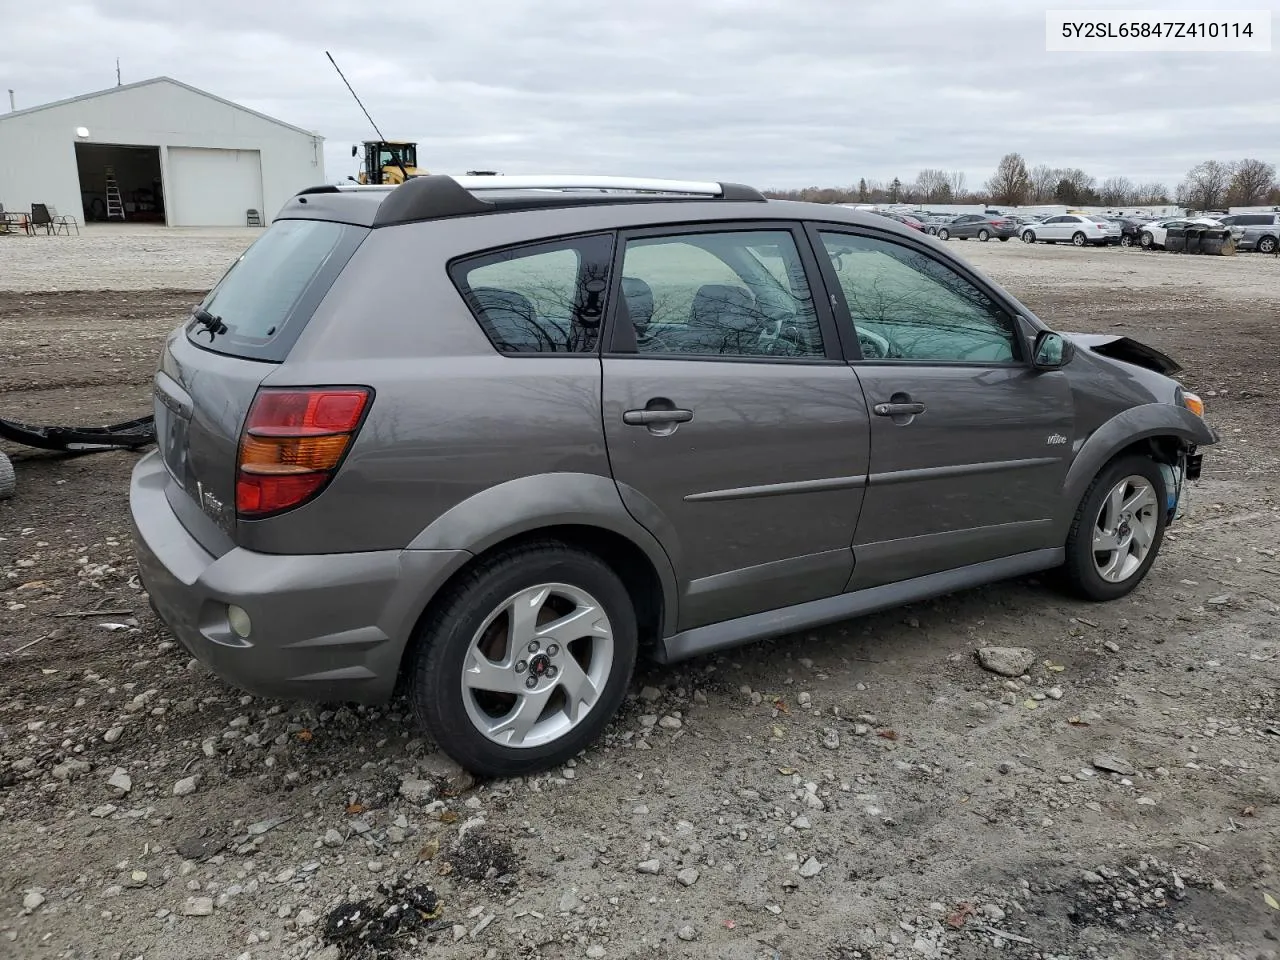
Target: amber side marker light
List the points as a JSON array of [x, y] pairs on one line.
[[293, 441], [1193, 403]]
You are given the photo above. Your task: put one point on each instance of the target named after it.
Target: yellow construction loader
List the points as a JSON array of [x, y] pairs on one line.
[[387, 161]]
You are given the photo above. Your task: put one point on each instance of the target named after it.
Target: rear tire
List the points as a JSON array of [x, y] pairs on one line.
[[8, 481], [1098, 525], [1126, 241], [472, 662]]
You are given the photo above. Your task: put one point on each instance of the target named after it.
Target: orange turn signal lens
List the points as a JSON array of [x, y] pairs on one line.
[[1193, 403], [277, 455]]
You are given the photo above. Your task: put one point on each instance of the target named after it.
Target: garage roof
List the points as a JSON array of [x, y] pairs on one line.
[[143, 83]]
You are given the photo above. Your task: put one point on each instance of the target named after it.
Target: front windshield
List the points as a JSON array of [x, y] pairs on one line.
[[392, 155]]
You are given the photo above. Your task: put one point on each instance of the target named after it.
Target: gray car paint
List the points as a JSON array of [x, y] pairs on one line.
[[764, 531]]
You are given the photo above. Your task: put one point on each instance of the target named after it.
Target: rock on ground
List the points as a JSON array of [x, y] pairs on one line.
[[1007, 661]]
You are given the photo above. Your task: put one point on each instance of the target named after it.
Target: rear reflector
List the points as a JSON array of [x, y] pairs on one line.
[[293, 442]]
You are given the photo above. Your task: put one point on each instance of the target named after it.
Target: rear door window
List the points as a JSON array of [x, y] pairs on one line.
[[263, 302]]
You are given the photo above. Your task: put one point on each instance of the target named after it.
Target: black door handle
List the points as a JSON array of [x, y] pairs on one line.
[[645, 418], [898, 409]]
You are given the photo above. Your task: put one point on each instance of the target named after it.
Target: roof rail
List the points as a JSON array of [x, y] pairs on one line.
[[436, 196]]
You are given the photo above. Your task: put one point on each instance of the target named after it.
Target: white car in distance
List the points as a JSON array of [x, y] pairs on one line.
[[1078, 229], [1154, 233]]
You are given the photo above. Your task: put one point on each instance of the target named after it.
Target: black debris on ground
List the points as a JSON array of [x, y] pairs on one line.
[[374, 929]]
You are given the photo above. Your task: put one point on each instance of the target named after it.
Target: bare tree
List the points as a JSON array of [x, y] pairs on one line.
[[958, 182], [1010, 183], [1251, 182], [1118, 192], [932, 185], [1206, 185], [1044, 179], [1152, 193]]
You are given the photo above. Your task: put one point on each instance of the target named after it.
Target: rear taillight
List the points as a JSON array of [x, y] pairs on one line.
[[293, 442]]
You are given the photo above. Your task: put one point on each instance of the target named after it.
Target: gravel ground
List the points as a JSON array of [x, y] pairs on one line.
[[871, 790]]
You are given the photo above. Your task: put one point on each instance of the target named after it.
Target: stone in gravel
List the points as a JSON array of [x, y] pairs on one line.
[[1114, 765], [32, 901], [650, 694], [114, 734], [375, 866], [1006, 661], [831, 738], [334, 952], [814, 802], [186, 786], [119, 782], [198, 848], [1054, 693], [306, 917], [595, 952], [649, 866], [861, 729], [1111, 645], [568, 901], [331, 838], [1005, 767], [197, 907], [688, 876], [978, 708], [670, 723], [805, 698], [800, 823], [106, 810], [1090, 877], [811, 868], [687, 933], [70, 769], [992, 912], [266, 826], [417, 791]]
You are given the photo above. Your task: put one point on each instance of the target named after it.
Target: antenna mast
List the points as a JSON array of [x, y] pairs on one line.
[[395, 153]]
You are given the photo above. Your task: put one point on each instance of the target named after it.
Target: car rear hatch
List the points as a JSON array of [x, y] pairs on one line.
[[212, 366]]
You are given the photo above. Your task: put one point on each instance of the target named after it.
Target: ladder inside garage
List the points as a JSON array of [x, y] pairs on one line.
[[115, 208]]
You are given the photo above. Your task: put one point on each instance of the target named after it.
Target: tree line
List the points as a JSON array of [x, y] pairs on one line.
[[1210, 185]]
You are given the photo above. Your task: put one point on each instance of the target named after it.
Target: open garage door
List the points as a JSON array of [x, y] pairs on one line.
[[212, 188]]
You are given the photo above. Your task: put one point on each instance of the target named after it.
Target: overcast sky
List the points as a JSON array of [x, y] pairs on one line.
[[776, 93]]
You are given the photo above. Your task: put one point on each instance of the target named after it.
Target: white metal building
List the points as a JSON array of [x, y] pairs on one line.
[[173, 154]]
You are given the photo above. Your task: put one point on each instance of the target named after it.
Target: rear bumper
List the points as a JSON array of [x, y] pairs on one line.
[[326, 627]]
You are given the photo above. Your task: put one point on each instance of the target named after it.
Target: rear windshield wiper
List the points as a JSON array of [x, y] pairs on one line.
[[211, 323]]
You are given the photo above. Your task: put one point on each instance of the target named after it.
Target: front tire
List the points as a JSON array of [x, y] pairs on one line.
[[525, 660], [1126, 241], [1146, 240], [1079, 239], [8, 482], [1028, 236], [984, 235], [1116, 533], [1267, 245], [943, 234]]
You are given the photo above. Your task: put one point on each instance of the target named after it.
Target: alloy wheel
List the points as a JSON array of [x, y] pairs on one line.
[[1125, 529], [538, 665]]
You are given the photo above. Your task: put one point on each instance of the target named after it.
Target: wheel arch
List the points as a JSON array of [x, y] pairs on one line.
[[582, 510], [1160, 431]]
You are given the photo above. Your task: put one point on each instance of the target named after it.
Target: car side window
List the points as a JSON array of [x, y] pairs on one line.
[[909, 306], [545, 298], [732, 294]]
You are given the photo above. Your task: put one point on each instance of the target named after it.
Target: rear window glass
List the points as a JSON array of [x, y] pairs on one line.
[[263, 302]]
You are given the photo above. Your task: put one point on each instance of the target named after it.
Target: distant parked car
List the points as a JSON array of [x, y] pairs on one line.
[[903, 218], [933, 222], [1075, 228], [1130, 229], [983, 226], [1153, 234], [1264, 238]]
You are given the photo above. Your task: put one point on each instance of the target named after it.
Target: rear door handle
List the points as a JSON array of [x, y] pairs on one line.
[[645, 418], [898, 409]]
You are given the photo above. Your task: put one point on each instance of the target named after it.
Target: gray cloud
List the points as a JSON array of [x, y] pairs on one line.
[[772, 92]]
